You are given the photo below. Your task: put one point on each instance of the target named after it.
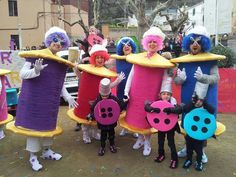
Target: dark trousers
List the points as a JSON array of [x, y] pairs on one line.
[[194, 145], [111, 137], [171, 143]]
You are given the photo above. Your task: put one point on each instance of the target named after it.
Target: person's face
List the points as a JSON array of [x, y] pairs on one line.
[[195, 47], [165, 96], [152, 46], [127, 49], [92, 30], [56, 45], [99, 61]]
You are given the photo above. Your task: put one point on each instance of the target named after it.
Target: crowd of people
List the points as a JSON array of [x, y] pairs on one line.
[[143, 103]]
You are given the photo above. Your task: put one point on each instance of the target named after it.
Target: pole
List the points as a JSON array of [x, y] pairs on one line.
[[216, 24], [20, 36]]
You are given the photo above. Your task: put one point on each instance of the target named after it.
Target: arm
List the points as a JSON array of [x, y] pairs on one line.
[[118, 80], [180, 77], [128, 83], [67, 97], [212, 78], [27, 73]]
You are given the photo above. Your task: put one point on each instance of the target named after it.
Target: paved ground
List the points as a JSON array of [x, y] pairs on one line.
[[81, 160]]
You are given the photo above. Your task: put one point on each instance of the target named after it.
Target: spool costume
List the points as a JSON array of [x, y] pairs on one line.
[[144, 83], [4, 116], [39, 101]]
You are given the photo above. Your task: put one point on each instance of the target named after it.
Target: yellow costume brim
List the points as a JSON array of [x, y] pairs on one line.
[[23, 131], [99, 71], [4, 72], [118, 57], [9, 118], [219, 130], [72, 115], [153, 62], [46, 54], [124, 124], [197, 58]]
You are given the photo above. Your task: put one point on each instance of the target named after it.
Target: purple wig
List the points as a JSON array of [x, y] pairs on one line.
[[205, 42], [155, 38], [59, 36], [125, 41]]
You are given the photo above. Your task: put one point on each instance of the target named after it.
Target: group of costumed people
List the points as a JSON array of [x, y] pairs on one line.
[[143, 103]]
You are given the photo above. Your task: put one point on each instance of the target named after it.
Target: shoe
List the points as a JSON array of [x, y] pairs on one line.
[[50, 155], [86, 137], [135, 135], [123, 132], [187, 164], [113, 149], [199, 166], [182, 153], [159, 158], [147, 148], [101, 151], [204, 158], [173, 164], [139, 143], [2, 134], [77, 127], [36, 166]]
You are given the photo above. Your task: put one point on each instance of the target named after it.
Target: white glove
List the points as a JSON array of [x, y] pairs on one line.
[[38, 65], [181, 74], [72, 103], [121, 77], [126, 97], [198, 73]]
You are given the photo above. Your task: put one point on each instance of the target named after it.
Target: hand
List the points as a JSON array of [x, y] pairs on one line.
[[167, 110], [181, 74], [198, 73], [121, 77], [126, 98], [38, 65], [72, 103], [156, 110]]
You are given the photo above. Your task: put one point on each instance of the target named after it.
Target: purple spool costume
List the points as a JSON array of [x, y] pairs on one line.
[[40, 98]]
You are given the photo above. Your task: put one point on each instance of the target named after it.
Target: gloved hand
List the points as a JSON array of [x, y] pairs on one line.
[[198, 73], [126, 98], [38, 65], [181, 74], [121, 77], [72, 103], [149, 108], [167, 110]]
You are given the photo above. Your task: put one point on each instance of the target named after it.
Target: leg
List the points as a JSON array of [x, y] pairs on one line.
[[204, 156], [161, 152], [147, 145], [139, 142], [198, 147], [2, 135], [96, 133], [111, 134], [123, 132], [47, 152], [171, 144], [78, 127], [189, 146], [183, 152], [86, 137], [33, 146], [101, 151]]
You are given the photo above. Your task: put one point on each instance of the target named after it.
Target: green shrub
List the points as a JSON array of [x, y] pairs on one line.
[[229, 53]]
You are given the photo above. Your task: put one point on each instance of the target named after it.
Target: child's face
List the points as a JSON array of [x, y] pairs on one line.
[[165, 96], [99, 61]]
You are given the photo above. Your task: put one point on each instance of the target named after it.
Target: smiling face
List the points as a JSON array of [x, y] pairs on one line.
[[127, 49], [56, 45], [195, 47], [165, 95], [152, 46], [99, 61]]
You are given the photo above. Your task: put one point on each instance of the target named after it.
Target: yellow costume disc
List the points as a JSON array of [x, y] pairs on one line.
[[72, 115], [9, 118], [134, 129], [118, 57], [197, 58], [99, 71], [4, 72], [47, 54], [23, 131]]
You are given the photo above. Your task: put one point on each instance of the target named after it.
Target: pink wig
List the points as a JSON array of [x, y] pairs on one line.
[[149, 38], [103, 54]]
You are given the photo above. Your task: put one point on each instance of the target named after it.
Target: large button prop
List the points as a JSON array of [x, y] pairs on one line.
[[107, 112], [200, 124], [161, 121]]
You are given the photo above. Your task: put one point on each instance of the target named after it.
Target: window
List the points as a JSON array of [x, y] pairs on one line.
[[12, 6], [14, 43], [194, 11]]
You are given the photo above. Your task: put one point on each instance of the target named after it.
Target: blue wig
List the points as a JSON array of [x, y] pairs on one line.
[[205, 42], [123, 41]]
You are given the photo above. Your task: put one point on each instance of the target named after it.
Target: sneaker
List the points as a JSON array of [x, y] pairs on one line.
[[199, 166], [139, 143], [123, 132], [77, 127], [101, 151], [2, 134], [36, 166], [135, 135], [159, 158], [204, 158], [173, 164], [113, 149], [182, 153], [187, 164], [147, 148], [50, 155], [86, 138]]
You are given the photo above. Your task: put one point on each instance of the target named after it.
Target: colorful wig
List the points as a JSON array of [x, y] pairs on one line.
[[155, 38], [103, 54], [205, 42], [59, 36], [124, 41]]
